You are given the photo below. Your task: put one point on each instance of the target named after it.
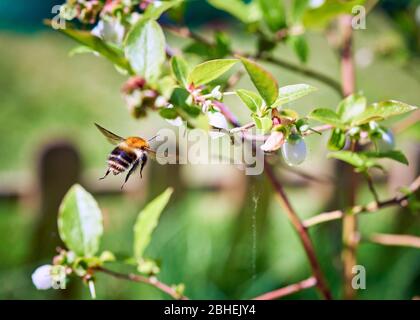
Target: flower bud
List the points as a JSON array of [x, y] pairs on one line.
[[274, 142], [294, 150], [217, 120], [216, 93], [42, 277], [110, 30]]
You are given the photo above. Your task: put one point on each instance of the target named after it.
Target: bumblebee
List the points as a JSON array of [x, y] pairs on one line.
[[127, 155]]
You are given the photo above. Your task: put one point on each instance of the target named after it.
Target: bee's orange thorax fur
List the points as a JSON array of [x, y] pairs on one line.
[[136, 142]]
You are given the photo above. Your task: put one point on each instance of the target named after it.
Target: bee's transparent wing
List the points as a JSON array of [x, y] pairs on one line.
[[111, 137]]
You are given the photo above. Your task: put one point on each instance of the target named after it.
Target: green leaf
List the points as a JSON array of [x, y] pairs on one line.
[[96, 44], [263, 80], [147, 221], [273, 14], [251, 99], [300, 47], [298, 9], [393, 154], [179, 100], [327, 116], [358, 160], [263, 123], [247, 13], [351, 107], [168, 113], [180, 69], [292, 92], [157, 8], [80, 222], [337, 140], [145, 49], [382, 110], [210, 70], [352, 158], [321, 16]]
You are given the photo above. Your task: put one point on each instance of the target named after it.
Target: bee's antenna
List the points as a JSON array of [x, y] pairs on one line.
[[152, 138]]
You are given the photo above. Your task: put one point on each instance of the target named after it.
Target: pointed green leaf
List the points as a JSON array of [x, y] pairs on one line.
[[300, 47], [298, 9], [251, 99], [273, 14], [263, 123], [80, 222], [393, 154], [210, 70], [327, 116], [145, 49], [382, 110], [156, 8], [247, 13], [86, 39], [147, 221], [292, 92], [351, 107], [180, 69], [352, 158], [263, 80]]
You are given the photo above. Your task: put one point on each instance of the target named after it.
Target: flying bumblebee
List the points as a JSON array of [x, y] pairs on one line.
[[127, 155]]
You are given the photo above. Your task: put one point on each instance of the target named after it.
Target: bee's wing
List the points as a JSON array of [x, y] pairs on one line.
[[111, 137]]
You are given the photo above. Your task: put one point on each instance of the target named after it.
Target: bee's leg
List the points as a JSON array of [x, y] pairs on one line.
[[133, 168], [107, 173], [143, 163]]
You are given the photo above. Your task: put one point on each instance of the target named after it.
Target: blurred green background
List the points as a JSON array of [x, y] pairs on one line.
[[223, 235]]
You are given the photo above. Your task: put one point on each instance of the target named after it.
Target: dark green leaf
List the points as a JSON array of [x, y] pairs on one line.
[[179, 100], [273, 14], [327, 116], [263, 80], [300, 47], [247, 13], [337, 140], [210, 70], [393, 154], [147, 221], [180, 69], [80, 222], [145, 49], [382, 110], [251, 99], [168, 113]]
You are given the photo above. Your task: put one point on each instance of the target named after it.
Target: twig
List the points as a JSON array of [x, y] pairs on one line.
[[290, 212], [369, 208], [184, 32], [395, 240], [350, 230], [372, 187], [334, 84], [290, 289], [141, 279], [301, 230]]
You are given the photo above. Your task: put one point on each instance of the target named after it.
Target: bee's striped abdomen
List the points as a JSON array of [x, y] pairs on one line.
[[120, 160]]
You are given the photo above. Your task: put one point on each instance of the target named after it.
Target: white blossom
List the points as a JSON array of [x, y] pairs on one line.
[[216, 93], [110, 30], [274, 142], [42, 277], [217, 120]]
